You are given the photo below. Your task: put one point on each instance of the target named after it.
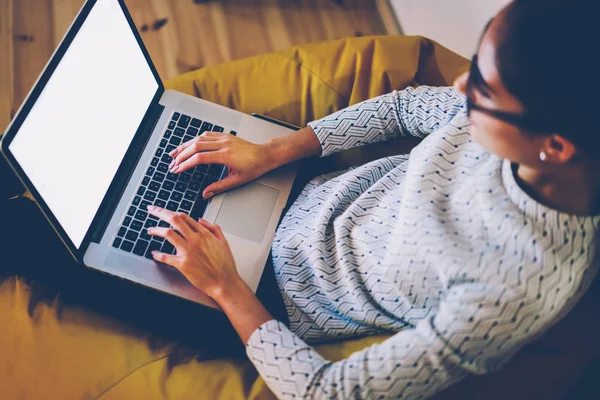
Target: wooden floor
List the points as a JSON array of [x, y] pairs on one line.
[[181, 35]]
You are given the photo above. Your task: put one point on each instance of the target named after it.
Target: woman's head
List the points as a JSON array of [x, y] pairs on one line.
[[536, 67]]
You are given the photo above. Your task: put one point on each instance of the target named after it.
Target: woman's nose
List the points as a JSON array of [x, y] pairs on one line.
[[461, 83]]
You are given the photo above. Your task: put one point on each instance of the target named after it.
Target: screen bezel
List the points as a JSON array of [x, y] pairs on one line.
[[134, 148]]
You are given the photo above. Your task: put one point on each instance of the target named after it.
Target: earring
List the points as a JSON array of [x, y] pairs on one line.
[[543, 156]]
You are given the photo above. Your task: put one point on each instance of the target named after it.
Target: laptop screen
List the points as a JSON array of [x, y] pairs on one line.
[[74, 138]]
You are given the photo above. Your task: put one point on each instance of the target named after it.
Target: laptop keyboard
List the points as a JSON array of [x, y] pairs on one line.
[[176, 192]]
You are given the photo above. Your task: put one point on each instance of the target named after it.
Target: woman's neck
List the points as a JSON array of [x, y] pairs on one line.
[[573, 189]]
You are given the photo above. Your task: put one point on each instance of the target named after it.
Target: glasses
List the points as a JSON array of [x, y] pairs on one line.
[[476, 81]]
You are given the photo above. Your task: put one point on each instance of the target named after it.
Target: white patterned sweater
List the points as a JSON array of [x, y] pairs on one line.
[[440, 247]]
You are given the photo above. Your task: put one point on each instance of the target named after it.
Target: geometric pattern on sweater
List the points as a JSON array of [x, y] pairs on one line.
[[441, 248]]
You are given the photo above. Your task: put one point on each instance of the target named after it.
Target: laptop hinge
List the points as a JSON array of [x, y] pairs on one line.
[[130, 161]]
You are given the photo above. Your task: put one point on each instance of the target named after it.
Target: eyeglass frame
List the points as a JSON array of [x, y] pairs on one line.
[[523, 121]]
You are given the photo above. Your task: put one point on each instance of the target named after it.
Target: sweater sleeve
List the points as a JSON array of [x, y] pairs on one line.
[[477, 329], [410, 112]]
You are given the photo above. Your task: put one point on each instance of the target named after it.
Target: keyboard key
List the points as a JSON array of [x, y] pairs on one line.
[[166, 159], [194, 185], [170, 148], [122, 231], [215, 170], [163, 224], [159, 177], [172, 125], [141, 215], [186, 205], [187, 138], [175, 141], [154, 162], [136, 200], [199, 208], [159, 152], [163, 142], [184, 121], [146, 180], [172, 177], [150, 171], [145, 235], [167, 134], [185, 177], [154, 245], [168, 185], [150, 223], [192, 131], [159, 203], [154, 186], [197, 176], [126, 221], [117, 242], [179, 132], [162, 167], [167, 248], [171, 205], [131, 211], [150, 196], [202, 168], [126, 245], [207, 182], [217, 128], [144, 204], [131, 235], [176, 116], [152, 217], [195, 123], [189, 195], [180, 186], [140, 247], [177, 196], [141, 190], [163, 195], [234, 133], [136, 225], [206, 127]]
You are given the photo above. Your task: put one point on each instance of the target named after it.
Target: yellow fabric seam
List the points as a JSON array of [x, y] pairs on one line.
[[115, 384]]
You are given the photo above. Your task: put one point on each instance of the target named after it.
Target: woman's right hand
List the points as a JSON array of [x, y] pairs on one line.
[[245, 161]]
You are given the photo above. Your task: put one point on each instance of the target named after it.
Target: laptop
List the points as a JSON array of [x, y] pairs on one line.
[[91, 144]]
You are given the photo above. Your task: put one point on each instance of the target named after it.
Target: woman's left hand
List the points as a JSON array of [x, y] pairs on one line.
[[203, 254]]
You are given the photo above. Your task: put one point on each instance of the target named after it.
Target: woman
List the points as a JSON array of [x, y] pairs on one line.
[[469, 248]]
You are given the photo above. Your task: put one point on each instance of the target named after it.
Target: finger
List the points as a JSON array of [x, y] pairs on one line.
[[212, 228], [196, 147], [184, 145], [175, 219], [221, 186], [191, 222], [209, 157], [169, 234], [166, 258]]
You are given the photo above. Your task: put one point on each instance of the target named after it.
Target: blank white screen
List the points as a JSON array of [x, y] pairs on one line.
[[76, 135]]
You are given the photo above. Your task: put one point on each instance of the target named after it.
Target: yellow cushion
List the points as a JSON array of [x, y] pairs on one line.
[[52, 350]]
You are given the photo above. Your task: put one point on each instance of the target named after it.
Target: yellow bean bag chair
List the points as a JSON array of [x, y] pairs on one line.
[[53, 347]]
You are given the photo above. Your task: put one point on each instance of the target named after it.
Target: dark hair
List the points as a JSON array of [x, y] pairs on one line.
[[548, 57]]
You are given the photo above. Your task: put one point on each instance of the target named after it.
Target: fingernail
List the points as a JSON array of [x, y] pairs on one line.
[[174, 169], [208, 195], [151, 208], [172, 152], [172, 163], [154, 253]]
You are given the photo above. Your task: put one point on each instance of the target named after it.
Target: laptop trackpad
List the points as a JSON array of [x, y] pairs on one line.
[[246, 211]]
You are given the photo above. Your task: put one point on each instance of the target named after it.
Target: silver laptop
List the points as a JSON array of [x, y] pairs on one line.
[[91, 143]]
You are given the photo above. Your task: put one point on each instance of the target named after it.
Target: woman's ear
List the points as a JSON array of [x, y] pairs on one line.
[[558, 149]]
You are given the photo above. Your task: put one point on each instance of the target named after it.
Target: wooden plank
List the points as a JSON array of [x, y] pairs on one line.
[[180, 35], [33, 44], [6, 64]]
